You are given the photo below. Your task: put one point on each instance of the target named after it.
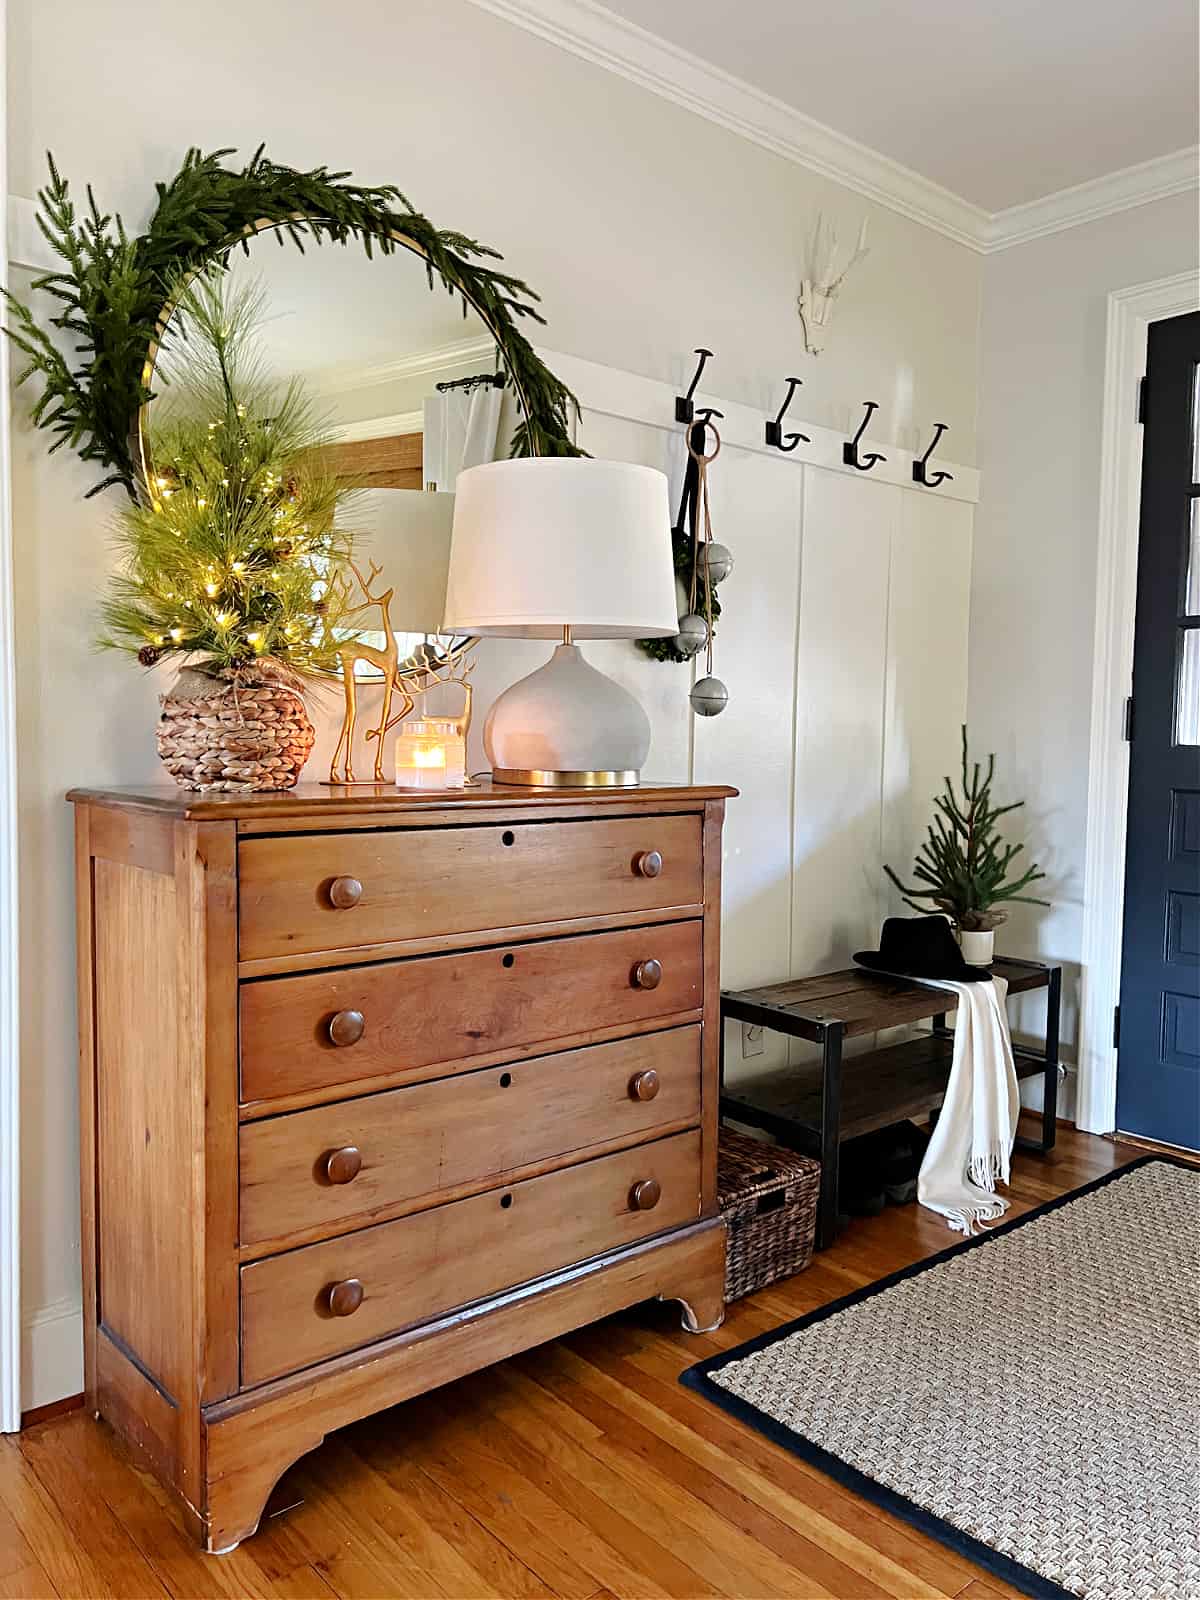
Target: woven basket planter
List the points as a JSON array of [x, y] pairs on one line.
[[245, 738], [768, 1198]]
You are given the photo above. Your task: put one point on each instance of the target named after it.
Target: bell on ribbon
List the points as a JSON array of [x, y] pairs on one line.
[[709, 697], [692, 635], [718, 563]]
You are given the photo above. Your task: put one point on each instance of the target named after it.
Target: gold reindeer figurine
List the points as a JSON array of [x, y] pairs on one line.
[[417, 676], [387, 660]]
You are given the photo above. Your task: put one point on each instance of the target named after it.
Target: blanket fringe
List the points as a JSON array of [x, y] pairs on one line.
[[969, 1219], [987, 1168]]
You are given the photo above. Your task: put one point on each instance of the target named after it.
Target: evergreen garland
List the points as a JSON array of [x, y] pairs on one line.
[[113, 288], [964, 862], [233, 560]]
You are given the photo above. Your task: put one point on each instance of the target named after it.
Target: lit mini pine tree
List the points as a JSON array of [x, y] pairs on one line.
[[226, 563], [964, 862]]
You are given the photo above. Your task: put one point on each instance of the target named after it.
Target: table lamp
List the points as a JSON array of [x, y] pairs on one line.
[[563, 548]]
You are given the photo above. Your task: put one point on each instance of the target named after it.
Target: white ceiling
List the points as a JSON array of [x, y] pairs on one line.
[[999, 101]]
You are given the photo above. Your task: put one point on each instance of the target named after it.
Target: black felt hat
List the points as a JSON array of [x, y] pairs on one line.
[[920, 947]]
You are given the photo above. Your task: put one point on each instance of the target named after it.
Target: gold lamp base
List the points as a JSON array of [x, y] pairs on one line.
[[533, 778]]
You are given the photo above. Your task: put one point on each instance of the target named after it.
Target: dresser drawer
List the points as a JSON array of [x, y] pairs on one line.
[[345, 1026], [311, 1303], [334, 1163], [338, 890]]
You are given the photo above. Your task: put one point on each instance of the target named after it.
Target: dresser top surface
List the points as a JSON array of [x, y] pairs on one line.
[[316, 799]]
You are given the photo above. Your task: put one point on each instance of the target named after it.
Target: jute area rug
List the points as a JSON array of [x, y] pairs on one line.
[[1030, 1397]]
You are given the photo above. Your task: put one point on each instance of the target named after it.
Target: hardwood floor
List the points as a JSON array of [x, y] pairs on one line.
[[581, 1469]]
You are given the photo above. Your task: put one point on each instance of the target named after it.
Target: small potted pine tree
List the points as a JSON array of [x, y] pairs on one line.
[[228, 562], [963, 867]]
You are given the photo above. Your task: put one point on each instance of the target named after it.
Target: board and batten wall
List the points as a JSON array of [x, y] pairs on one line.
[[645, 229], [843, 643]]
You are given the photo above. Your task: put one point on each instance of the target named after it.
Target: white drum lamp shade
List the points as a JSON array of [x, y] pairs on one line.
[[563, 548]]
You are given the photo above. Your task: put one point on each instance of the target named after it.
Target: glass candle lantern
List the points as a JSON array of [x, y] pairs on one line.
[[430, 754]]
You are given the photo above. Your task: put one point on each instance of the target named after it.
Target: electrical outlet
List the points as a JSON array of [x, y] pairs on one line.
[[752, 1040]]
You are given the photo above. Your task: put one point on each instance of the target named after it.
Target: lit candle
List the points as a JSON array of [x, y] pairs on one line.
[[430, 754]]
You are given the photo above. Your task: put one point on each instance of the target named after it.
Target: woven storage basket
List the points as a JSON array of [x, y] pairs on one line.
[[213, 736], [768, 1197]]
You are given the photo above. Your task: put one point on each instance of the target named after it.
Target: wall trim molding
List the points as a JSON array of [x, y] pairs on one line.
[[378, 427], [592, 32], [52, 1354], [1168, 175], [346, 379], [10, 1038], [1130, 313]]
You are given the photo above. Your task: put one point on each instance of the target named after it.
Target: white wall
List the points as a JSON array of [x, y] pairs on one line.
[[646, 230], [1034, 579]]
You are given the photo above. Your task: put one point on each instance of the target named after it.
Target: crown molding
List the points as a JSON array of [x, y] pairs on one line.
[[1177, 173], [343, 379], [595, 34]]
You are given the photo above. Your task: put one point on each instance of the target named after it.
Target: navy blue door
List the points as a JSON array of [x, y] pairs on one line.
[[1158, 1060]]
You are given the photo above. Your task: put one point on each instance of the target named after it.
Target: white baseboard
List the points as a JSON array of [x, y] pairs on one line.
[[52, 1354]]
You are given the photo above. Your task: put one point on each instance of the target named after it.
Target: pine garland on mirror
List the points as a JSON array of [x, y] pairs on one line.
[[92, 357]]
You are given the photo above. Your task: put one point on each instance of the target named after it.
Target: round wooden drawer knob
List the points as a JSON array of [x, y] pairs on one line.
[[344, 1299], [344, 893], [346, 1027], [647, 974], [344, 1165], [645, 1196], [644, 1085], [648, 865]]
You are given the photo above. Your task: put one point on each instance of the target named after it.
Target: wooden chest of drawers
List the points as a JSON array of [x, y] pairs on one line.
[[377, 1089]]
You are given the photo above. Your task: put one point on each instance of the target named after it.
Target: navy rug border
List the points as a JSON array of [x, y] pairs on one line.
[[699, 1379]]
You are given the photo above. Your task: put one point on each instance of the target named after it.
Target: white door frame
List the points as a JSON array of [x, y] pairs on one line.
[[1130, 313], [10, 1061]]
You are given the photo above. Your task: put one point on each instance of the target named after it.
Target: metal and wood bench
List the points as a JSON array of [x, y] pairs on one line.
[[815, 1108]]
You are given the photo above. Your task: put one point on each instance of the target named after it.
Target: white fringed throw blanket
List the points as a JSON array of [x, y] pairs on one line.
[[973, 1139]]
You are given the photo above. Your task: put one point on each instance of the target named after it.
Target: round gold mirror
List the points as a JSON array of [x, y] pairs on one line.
[[407, 380]]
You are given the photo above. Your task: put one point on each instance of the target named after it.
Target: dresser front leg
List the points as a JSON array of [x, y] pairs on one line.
[[701, 1287], [237, 1497]]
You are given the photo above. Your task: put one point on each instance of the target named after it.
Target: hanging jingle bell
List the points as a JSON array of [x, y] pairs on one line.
[[692, 635], [718, 562], [709, 697]]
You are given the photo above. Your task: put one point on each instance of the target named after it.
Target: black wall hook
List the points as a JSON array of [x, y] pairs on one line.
[[775, 429], [684, 409], [850, 453], [921, 472]]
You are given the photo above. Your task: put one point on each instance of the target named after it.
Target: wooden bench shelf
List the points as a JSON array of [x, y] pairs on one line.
[[902, 1082], [816, 1107]]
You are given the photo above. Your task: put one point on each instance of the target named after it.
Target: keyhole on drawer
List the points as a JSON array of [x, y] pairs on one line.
[[505, 1201], [508, 838], [507, 961], [505, 1079]]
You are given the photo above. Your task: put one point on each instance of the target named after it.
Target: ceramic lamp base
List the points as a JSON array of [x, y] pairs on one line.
[[567, 725]]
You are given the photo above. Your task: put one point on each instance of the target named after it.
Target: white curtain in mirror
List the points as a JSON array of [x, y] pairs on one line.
[[461, 430]]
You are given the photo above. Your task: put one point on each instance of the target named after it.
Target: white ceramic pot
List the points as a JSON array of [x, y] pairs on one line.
[[978, 947]]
